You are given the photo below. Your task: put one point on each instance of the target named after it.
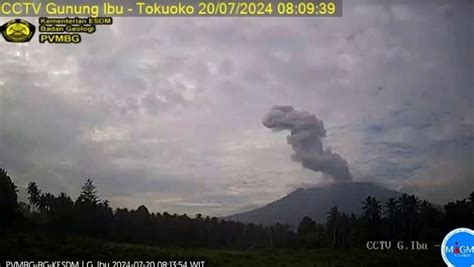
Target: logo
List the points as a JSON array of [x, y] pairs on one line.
[[457, 248], [18, 31]]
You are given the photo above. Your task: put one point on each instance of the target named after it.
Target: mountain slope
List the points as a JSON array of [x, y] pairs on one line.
[[315, 203]]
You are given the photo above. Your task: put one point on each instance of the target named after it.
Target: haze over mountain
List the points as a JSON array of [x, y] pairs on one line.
[[315, 203]]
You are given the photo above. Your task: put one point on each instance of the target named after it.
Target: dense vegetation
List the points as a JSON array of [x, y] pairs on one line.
[[64, 247], [405, 218]]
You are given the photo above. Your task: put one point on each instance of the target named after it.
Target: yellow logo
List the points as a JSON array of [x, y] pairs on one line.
[[18, 31]]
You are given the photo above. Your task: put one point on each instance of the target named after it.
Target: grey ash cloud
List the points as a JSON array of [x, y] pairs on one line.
[[306, 138]]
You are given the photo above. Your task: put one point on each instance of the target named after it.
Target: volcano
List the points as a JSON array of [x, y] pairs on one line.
[[315, 203]]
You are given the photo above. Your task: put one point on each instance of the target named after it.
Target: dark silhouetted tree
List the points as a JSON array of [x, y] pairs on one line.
[[404, 218], [306, 226], [62, 212], [88, 194], [8, 198], [333, 224], [88, 211], [459, 214], [391, 214], [371, 217], [34, 194], [413, 210], [403, 206], [372, 209]]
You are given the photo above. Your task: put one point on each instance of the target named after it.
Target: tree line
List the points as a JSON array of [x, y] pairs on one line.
[[405, 218]]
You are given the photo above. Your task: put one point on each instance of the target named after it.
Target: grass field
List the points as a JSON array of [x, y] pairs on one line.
[[48, 247]]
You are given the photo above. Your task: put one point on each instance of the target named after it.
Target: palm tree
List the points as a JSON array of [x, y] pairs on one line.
[[403, 204], [427, 215], [414, 209], [372, 209], [391, 208], [409, 207], [50, 202], [42, 203], [371, 216], [391, 211], [414, 204]]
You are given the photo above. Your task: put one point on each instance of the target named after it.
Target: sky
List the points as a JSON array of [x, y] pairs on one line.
[[167, 112]]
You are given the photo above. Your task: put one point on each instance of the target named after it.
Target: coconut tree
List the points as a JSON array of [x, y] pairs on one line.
[[372, 209], [391, 211], [43, 203], [403, 206], [413, 210]]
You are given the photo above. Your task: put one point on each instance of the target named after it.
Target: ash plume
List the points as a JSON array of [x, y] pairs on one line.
[[306, 133]]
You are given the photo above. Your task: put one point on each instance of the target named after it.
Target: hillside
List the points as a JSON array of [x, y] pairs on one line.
[[315, 202]]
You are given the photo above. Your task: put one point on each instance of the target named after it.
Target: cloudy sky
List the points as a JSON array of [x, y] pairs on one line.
[[167, 112]]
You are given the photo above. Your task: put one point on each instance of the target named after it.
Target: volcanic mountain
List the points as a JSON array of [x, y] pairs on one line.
[[315, 203]]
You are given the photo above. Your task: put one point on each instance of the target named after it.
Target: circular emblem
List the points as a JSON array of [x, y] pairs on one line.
[[18, 31], [457, 248]]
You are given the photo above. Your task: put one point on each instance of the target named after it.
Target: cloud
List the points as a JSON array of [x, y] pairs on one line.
[[306, 133], [169, 110]]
